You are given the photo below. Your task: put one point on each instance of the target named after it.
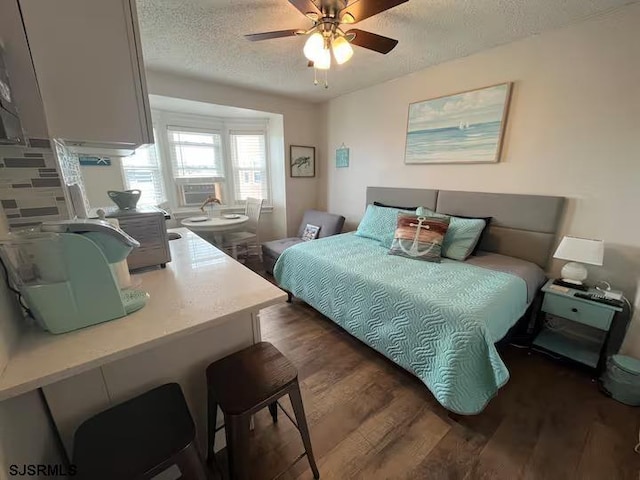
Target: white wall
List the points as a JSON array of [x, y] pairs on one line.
[[302, 124], [278, 173], [25, 436], [573, 130]]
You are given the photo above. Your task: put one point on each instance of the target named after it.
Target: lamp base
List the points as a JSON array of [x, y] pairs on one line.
[[574, 273]]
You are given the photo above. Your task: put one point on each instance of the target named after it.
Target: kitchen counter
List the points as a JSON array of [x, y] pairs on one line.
[[201, 288]]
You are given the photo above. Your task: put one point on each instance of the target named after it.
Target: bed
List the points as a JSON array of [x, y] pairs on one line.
[[440, 321]]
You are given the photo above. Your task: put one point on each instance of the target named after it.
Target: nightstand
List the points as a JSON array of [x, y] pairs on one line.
[[583, 329]]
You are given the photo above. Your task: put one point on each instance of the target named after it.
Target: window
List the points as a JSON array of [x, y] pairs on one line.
[[206, 156], [249, 165], [195, 154], [142, 171]]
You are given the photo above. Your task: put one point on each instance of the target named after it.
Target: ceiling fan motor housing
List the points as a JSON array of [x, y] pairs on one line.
[[332, 7]]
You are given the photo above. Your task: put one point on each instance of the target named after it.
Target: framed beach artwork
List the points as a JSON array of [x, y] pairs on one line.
[[302, 161], [463, 128]]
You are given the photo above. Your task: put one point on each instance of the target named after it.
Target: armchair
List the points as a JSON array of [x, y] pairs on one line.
[[329, 223]]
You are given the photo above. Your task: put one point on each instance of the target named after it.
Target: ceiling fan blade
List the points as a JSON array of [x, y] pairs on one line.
[[361, 9], [306, 7], [372, 41], [254, 37]]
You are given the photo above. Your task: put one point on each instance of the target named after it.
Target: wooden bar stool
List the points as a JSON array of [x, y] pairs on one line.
[[139, 439], [243, 384]]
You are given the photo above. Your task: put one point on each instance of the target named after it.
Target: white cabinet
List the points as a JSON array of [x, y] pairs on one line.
[[88, 61], [21, 75]]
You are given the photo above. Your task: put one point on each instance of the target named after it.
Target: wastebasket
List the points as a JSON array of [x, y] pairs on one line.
[[621, 379]]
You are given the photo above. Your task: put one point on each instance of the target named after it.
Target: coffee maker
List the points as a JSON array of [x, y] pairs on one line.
[[64, 272]]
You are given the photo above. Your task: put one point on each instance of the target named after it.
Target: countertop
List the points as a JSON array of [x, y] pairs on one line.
[[200, 288]]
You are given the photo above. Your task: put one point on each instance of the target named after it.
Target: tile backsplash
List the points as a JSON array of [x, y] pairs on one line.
[[31, 190]]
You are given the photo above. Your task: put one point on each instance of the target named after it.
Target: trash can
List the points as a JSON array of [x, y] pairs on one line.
[[621, 379]]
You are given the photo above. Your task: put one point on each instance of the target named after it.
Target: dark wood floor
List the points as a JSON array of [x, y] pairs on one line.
[[370, 419]]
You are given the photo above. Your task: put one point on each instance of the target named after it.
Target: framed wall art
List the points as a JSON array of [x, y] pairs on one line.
[[467, 127], [302, 161], [342, 157]]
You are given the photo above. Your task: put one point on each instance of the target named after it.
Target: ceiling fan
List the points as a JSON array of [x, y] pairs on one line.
[[327, 34]]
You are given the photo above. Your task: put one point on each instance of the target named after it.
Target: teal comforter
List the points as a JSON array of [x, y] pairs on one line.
[[437, 320]]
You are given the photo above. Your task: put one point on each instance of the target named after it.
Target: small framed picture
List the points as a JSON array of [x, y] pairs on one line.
[[302, 161], [342, 157]]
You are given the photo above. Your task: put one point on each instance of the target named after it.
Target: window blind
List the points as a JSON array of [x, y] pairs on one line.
[[142, 171], [195, 153], [249, 162]]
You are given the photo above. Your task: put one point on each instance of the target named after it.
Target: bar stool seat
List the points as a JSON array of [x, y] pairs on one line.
[[243, 384], [139, 438]]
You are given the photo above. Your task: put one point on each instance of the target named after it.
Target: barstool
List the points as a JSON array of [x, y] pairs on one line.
[[243, 384], [140, 438]]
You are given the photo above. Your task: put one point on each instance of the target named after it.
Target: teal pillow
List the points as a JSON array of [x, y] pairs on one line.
[[379, 223], [462, 236]]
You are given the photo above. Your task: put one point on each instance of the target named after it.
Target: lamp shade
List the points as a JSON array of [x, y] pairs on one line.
[[323, 60], [314, 46], [342, 50], [581, 250]]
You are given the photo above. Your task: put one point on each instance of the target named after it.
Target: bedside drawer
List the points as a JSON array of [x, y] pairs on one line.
[[582, 312]]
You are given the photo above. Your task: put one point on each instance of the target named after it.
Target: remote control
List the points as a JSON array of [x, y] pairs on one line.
[[600, 298]]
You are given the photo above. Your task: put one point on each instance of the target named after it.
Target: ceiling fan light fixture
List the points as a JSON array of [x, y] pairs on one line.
[[347, 18], [342, 50], [314, 47], [327, 41], [323, 60]]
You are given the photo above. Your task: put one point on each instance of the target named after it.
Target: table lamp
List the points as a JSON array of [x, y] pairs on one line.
[[578, 251]]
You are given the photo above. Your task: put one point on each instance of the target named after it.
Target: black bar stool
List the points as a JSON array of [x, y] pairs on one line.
[[139, 438], [243, 384]]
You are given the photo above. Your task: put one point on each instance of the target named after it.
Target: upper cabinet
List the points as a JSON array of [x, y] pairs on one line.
[[88, 64], [24, 87]]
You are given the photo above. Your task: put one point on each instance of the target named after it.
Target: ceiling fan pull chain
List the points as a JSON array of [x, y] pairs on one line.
[[315, 76], [326, 79]]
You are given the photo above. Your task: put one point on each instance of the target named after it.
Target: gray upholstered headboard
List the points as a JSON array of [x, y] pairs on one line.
[[523, 226]]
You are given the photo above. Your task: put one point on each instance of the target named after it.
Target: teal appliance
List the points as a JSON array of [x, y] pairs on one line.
[[65, 273]]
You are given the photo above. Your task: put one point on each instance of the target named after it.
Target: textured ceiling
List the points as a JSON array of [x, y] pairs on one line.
[[204, 39]]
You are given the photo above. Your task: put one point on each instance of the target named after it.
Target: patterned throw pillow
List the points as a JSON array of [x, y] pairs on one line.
[[379, 223], [419, 237], [462, 236], [310, 232]]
